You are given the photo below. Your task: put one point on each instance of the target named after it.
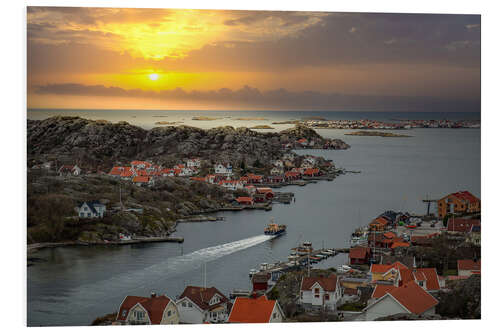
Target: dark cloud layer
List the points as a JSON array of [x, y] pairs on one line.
[[279, 98]]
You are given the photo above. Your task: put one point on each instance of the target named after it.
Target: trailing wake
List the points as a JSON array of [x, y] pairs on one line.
[[127, 283]]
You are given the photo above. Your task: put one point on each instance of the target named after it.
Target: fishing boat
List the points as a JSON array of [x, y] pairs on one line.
[[273, 229]]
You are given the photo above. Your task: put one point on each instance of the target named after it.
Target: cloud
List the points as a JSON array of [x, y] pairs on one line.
[[270, 99]]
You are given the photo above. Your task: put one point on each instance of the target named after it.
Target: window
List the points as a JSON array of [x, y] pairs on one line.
[[190, 305], [88, 214], [301, 294], [124, 313], [421, 283], [139, 315], [82, 214], [169, 313], [274, 315], [327, 296], [183, 304], [316, 296], [316, 290]]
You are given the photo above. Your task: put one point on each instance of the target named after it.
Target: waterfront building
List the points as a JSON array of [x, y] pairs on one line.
[[198, 305], [256, 310], [244, 201], [320, 292], [91, 209], [407, 299], [461, 225], [359, 255], [154, 310], [458, 202]]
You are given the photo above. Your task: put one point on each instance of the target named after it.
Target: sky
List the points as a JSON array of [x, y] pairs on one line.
[[124, 58]]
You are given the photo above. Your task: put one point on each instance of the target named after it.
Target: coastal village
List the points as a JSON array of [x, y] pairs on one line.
[[399, 266], [390, 274]]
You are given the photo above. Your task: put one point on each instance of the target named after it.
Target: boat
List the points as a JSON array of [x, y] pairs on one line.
[[274, 229], [253, 271], [343, 269]]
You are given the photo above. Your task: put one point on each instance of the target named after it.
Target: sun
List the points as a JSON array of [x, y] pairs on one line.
[[153, 77]]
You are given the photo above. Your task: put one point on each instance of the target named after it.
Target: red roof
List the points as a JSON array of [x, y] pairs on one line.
[[431, 278], [202, 296], [292, 174], [389, 234], [244, 199], [469, 265], [311, 171], [414, 298], [140, 179], [399, 244], [327, 283], [380, 220], [302, 140], [462, 225], [264, 190], [116, 170], [465, 196], [155, 306], [359, 252], [381, 289], [379, 268], [251, 310]]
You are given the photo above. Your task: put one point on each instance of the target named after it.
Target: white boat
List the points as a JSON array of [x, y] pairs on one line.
[[343, 269], [253, 271]]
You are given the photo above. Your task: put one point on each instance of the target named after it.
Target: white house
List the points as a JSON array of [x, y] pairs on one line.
[[193, 163], [91, 209], [255, 310], [231, 184], [69, 170], [311, 160], [278, 164], [154, 310], [198, 305], [320, 292], [223, 169], [276, 171], [408, 299]]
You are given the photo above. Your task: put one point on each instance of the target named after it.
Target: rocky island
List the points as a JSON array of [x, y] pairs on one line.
[[152, 209], [382, 134]]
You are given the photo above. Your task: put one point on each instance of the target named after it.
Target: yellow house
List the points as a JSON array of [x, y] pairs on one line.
[[381, 272]]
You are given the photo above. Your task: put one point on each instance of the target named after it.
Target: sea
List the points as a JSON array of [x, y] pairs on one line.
[[74, 285]]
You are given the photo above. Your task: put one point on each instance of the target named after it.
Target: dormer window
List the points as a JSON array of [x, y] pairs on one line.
[[124, 313]]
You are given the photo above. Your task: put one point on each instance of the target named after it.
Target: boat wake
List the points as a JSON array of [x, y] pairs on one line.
[[126, 284]]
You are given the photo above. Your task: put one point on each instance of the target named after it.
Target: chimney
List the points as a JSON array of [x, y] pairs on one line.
[[153, 294]]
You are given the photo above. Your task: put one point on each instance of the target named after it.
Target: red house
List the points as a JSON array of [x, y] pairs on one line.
[[266, 191], [244, 200], [260, 281], [359, 255]]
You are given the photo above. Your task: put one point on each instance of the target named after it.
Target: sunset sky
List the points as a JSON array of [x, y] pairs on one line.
[[106, 58]]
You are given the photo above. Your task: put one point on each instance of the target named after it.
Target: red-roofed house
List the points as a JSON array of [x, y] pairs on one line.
[[311, 172], [197, 305], [359, 255], [245, 200], [143, 180], [427, 278], [458, 202], [379, 224], [408, 299], [320, 292], [255, 310], [380, 272], [468, 267], [266, 191], [154, 310]]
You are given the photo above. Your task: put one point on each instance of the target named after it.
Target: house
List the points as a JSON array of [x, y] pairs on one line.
[[193, 163], [408, 299], [224, 169], [250, 189], [467, 267], [302, 142], [198, 305], [143, 180], [311, 172], [136, 165], [320, 292], [399, 274], [292, 175], [255, 179], [276, 171], [154, 310], [278, 164], [458, 202], [474, 235], [69, 170], [231, 184], [379, 224], [244, 201], [256, 310], [166, 172], [266, 191], [461, 225], [359, 255], [311, 160], [260, 281], [380, 272], [91, 209]]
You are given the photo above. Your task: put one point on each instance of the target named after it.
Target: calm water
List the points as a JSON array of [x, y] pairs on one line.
[[75, 285]]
